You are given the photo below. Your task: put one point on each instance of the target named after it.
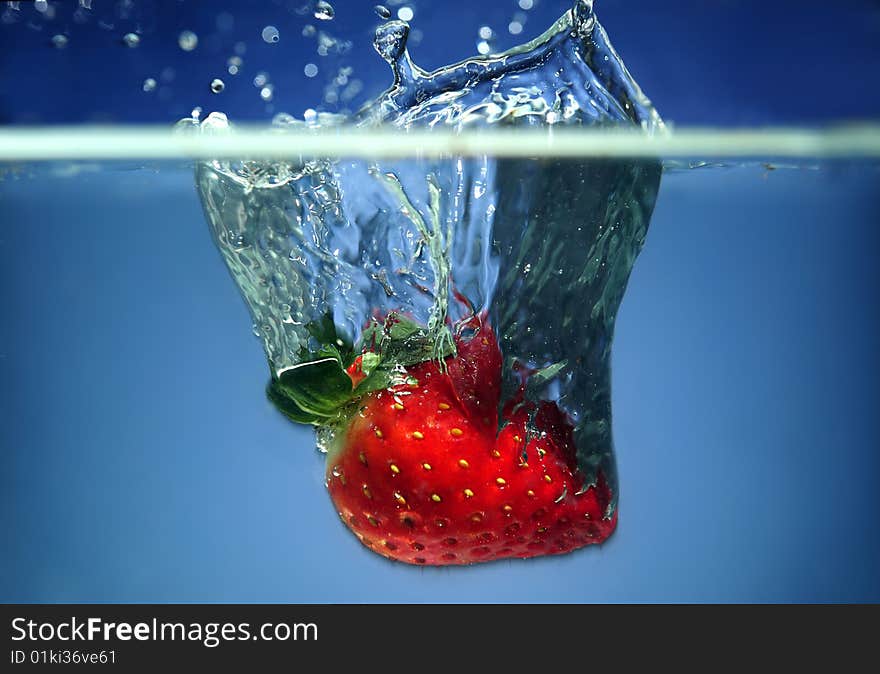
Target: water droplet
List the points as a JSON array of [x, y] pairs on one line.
[[390, 40], [485, 33], [526, 4], [59, 41], [217, 85], [324, 11], [267, 92], [131, 40], [584, 19], [382, 11], [270, 35], [514, 28], [149, 84], [188, 40], [310, 70], [405, 13], [483, 47]]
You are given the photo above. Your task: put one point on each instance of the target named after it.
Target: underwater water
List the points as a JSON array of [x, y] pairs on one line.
[[142, 464]]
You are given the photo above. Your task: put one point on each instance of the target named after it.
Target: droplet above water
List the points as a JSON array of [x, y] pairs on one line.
[[390, 40], [271, 35], [188, 40], [324, 11], [131, 40], [217, 85]]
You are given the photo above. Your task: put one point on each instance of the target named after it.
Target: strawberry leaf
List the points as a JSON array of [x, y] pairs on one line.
[[402, 341], [318, 388]]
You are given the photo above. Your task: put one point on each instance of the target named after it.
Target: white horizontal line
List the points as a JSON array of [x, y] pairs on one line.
[[151, 142]]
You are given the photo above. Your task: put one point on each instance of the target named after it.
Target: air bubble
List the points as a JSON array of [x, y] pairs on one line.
[[261, 79], [188, 40], [149, 84], [41, 5], [310, 70], [526, 4], [324, 11], [514, 28], [131, 40], [267, 92], [382, 12], [59, 41], [270, 35], [405, 14], [217, 85], [483, 47], [308, 30], [485, 33]]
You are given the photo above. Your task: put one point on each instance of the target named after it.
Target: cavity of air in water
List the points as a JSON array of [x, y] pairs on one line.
[[364, 275]]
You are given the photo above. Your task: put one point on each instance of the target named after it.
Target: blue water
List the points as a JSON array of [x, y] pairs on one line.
[[142, 463]]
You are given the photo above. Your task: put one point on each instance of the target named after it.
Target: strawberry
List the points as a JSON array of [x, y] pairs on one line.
[[421, 474]]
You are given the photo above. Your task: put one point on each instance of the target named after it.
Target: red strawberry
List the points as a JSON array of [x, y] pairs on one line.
[[422, 475]]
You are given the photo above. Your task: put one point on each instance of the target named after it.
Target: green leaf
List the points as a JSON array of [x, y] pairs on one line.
[[545, 374], [319, 387], [286, 406], [402, 341]]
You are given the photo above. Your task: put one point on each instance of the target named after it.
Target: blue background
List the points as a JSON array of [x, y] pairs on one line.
[[141, 462], [729, 62]]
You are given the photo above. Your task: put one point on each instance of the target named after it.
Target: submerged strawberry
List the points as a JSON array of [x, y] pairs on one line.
[[421, 473]]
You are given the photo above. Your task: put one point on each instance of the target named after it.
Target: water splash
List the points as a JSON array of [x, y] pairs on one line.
[[542, 247]]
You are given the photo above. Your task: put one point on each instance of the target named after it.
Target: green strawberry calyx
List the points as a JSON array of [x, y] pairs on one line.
[[322, 388]]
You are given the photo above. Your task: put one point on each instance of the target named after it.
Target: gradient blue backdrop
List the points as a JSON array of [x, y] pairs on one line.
[[141, 462]]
